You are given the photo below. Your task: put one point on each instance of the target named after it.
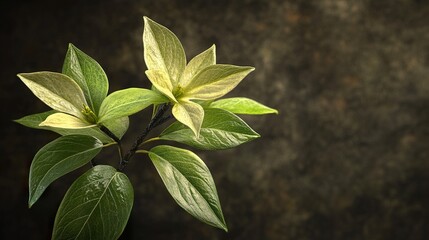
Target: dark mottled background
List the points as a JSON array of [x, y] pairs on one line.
[[346, 158]]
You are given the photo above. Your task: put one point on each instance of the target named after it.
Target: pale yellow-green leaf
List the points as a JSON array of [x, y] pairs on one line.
[[197, 64], [161, 81], [56, 90], [215, 81], [190, 114], [163, 50], [62, 120]]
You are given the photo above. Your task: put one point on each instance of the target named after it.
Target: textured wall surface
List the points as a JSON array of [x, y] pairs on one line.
[[346, 158]]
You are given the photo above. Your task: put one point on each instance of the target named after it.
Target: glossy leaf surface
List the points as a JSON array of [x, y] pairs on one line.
[[241, 105], [220, 130], [96, 206], [189, 182], [88, 74], [56, 90], [58, 158]]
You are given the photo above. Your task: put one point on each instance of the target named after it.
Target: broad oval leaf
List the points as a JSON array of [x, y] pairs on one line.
[[163, 50], [88, 74], [197, 64], [189, 182], [215, 81], [63, 120], [117, 126], [241, 105], [190, 114], [96, 206], [58, 158], [161, 82], [56, 90], [127, 102], [220, 130]]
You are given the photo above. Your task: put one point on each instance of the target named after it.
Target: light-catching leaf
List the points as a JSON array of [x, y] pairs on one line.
[[117, 126], [88, 74], [56, 90], [161, 82], [96, 206], [127, 102], [241, 105], [163, 50], [197, 64], [220, 130], [58, 158], [215, 81], [189, 182], [190, 114], [62, 120]]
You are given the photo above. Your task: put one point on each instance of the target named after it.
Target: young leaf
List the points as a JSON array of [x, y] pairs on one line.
[[58, 158], [189, 113], [189, 182], [96, 206], [161, 82], [56, 90], [163, 50], [127, 102], [215, 81], [197, 64], [117, 126], [220, 130], [88, 74], [241, 105], [62, 120]]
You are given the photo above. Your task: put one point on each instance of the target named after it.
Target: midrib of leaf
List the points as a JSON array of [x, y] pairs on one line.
[[85, 83], [210, 206], [65, 159], [95, 206]]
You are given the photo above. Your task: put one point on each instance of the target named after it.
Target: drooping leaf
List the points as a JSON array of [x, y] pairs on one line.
[[241, 105], [189, 182], [161, 82], [62, 120], [197, 64], [88, 74], [117, 126], [163, 50], [190, 114], [58, 158], [220, 130], [56, 90], [96, 206], [127, 102], [215, 81]]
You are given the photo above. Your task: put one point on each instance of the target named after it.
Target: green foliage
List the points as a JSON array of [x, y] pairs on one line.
[[98, 204]]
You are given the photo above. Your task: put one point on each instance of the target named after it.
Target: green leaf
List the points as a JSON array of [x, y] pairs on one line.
[[62, 120], [190, 114], [58, 158], [56, 90], [163, 50], [117, 126], [127, 102], [161, 82], [189, 182], [215, 81], [197, 64], [96, 206], [220, 130], [88, 74], [241, 105]]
